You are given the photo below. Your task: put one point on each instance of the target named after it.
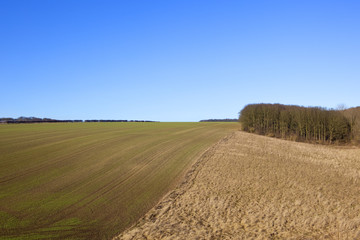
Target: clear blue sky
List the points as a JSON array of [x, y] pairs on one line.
[[175, 60]]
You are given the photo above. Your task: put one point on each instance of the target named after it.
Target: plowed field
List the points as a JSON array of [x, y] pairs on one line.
[[92, 180], [254, 187]]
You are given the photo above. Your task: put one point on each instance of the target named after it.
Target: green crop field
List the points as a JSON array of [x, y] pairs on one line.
[[92, 180]]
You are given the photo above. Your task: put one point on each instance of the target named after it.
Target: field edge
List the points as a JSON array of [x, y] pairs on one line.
[[185, 182]]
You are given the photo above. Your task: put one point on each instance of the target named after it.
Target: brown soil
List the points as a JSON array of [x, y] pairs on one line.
[[254, 187]]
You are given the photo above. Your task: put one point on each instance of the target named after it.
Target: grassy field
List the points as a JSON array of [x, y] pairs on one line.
[[92, 180]]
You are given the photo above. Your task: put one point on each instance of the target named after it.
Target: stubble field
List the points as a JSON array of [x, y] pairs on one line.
[[92, 180], [254, 187]]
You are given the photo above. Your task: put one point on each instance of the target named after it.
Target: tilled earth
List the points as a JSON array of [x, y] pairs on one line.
[[254, 187]]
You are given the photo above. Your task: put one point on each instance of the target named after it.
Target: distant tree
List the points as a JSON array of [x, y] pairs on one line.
[[312, 124]]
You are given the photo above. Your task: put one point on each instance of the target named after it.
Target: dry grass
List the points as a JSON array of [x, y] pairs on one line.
[[254, 187]]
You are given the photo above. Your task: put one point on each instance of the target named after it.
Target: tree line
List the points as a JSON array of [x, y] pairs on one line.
[[311, 124], [35, 120], [49, 120], [220, 120], [95, 120], [353, 115]]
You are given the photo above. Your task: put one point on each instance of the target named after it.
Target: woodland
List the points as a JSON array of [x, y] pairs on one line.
[[309, 124]]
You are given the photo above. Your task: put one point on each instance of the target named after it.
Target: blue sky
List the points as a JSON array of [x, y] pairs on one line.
[[175, 60]]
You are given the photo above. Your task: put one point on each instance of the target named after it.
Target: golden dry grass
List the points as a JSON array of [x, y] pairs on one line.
[[254, 187]]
